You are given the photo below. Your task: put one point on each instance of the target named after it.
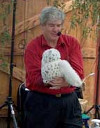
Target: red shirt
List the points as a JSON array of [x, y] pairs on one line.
[[69, 49]]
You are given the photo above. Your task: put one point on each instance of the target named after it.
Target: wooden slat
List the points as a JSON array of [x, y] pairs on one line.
[[67, 6], [17, 52], [17, 73], [89, 53], [27, 24]]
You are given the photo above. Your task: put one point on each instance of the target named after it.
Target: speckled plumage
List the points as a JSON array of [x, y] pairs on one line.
[[52, 66]]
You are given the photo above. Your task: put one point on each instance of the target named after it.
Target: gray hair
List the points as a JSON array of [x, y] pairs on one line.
[[51, 14]]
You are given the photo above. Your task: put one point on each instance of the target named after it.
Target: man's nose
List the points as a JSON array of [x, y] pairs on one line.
[[55, 29]]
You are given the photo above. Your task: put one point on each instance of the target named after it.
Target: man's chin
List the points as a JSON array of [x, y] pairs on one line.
[[55, 38]]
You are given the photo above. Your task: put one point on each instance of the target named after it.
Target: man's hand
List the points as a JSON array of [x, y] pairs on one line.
[[57, 83]]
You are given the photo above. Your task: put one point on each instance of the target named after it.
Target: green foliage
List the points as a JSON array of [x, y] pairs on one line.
[[48, 2], [5, 36], [84, 9], [5, 11], [82, 12], [60, 4], [3, 63], [56, 3]]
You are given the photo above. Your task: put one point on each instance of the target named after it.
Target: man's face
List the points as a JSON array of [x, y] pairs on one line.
[[51, 29]]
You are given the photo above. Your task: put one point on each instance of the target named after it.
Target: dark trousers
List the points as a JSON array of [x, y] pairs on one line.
[[48, 111]]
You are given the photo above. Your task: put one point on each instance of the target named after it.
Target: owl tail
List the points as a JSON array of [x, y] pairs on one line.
[[70, 74]]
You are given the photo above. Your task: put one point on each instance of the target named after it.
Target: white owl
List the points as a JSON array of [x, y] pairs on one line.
[[52, 66]]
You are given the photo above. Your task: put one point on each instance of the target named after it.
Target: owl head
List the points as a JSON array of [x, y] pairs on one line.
[[50, 55]]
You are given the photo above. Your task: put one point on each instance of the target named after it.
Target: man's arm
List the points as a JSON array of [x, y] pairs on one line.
[[33, 67]]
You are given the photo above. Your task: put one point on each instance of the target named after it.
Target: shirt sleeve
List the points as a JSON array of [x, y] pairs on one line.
[[33, 67], [75, 58]]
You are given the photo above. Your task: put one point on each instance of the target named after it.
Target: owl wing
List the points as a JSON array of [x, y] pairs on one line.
[[70, 74]]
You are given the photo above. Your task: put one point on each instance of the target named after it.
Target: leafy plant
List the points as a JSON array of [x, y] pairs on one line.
[[5, 36], [5, 10], [82, 12], [3, 63]]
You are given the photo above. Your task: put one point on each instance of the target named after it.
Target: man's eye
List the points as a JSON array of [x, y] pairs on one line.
[[59, 25], [52, 25]]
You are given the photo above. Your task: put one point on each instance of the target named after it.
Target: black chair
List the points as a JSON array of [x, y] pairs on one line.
[[21, 97]]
